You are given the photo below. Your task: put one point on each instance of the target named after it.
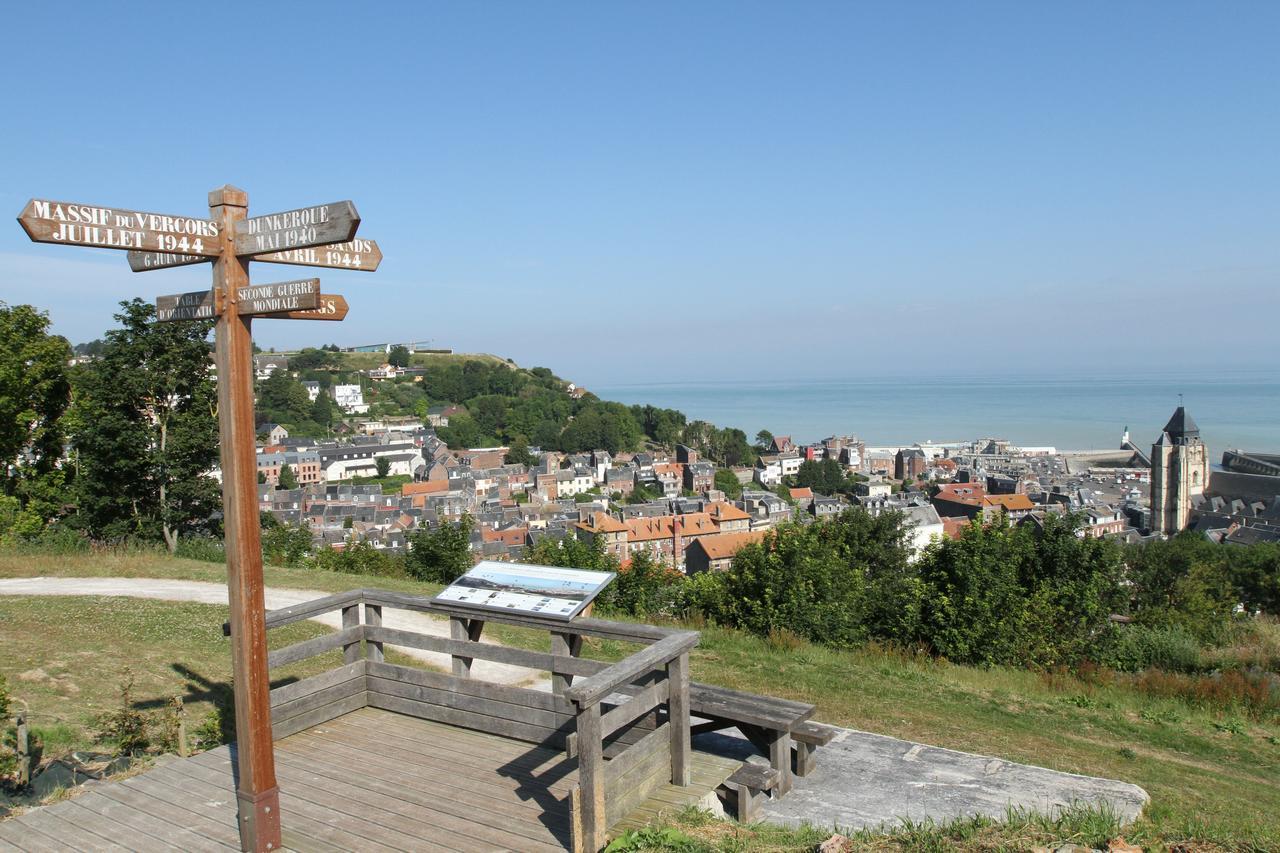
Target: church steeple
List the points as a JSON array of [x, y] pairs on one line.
[[1181, 428], [1179, 472]]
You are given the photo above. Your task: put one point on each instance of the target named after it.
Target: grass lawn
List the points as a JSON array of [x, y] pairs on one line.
[[369, 360], [66, 658], [155, 564], [391, 484], [1213, 774]]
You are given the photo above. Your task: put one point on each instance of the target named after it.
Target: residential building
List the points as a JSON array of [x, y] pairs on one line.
[[699, 476], [621, 480], [768, 471], [765, 508], [305, 467], [350, 398], [715, 553], [823, 507], [274, 432], [909, 463], [604, 527], [873, 489], [925, 526], [666, 537], [266, 364], [728, 518]]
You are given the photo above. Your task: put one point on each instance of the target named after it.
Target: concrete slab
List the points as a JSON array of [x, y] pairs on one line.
[[865, 780]]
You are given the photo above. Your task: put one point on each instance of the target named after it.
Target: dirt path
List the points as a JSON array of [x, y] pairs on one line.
[[276, 598]]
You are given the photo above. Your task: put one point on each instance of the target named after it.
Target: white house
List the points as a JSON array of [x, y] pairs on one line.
[[574, 482], [350, 398], [925, 527], [768, 471], [790, 461]]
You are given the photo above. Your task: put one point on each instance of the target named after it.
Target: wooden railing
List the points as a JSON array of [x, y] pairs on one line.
[[627, 722]]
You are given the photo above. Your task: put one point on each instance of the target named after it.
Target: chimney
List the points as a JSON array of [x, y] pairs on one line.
[[675, 543]]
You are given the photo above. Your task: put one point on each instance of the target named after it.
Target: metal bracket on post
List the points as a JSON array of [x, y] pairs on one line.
[[259, 819]]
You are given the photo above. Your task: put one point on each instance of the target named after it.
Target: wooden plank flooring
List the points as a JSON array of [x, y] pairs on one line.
[[370, 780]]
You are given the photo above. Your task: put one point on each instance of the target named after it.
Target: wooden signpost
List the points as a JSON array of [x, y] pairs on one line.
[[322, 235]]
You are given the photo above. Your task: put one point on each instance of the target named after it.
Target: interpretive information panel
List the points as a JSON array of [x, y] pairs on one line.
[[544, 590]]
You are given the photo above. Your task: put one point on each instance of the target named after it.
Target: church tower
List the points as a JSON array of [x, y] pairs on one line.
[[1179, 471]]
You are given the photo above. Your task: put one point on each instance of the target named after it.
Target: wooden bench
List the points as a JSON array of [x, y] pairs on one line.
[[748, 786], [807, 737], [765, 721]]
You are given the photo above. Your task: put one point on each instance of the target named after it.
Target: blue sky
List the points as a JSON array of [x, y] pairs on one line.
[[634, 191]]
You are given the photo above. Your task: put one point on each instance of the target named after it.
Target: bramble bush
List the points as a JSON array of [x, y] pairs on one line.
[[1139, 647]]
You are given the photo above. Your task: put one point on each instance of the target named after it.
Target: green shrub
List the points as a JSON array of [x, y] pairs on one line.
[[203, 548], [286, 545], [219, 725], [1171, 648], [125, 728], [359, 558]]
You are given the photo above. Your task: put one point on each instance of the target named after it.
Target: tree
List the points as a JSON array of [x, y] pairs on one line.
[[147, 433], [398, 357], [282, 399], [519, 453], [607, 426], [440, 555], [383, 465], [795, 580], [764, 439], [313, 359], [323, 410], [644, 587], [34, 393], [727, 482], [286, 479], [826, 477], [571, 553]]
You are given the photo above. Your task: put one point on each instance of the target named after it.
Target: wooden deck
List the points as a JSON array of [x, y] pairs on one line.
[[370, 780]]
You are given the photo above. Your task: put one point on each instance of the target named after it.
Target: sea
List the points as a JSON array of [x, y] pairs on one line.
[[1234, 409]]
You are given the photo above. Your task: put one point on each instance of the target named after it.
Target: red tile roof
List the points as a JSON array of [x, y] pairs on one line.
[[722, 511], [602, 522], [724, 545], [648, 529], [1010, 502]]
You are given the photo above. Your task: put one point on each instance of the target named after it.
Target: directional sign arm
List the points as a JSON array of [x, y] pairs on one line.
[[357, 254], [331, 307], [115, 228], [297, 229], [299, 295], [147, 261]]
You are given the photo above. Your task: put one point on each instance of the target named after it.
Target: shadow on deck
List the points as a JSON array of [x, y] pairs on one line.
[[367, 780], [372, 755]]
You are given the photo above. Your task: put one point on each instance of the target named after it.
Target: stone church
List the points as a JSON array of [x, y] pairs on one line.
[[1179, 472]]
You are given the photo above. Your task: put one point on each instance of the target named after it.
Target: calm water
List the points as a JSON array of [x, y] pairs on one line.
[[1239, 409]]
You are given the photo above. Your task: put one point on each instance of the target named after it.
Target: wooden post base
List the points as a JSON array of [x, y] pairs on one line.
[[259, 819]]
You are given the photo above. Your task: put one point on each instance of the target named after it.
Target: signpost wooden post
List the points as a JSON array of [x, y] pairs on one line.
[[322, 235]]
